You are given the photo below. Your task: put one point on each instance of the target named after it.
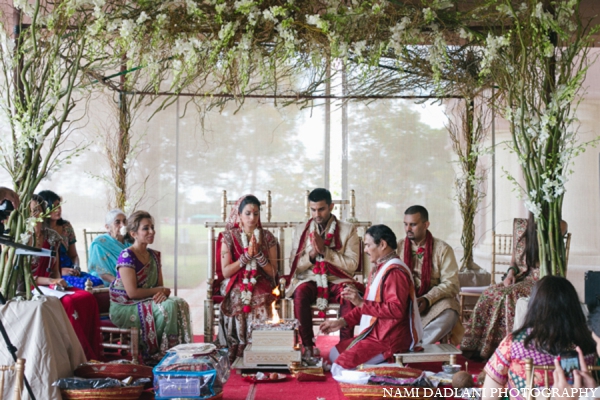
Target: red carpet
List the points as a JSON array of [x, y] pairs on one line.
[[238, 389]]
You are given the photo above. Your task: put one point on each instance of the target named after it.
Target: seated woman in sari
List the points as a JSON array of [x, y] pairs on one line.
[[554, 323], [105, 249], [138, 298], [67, 252], [81, 306], [495, 309], [247, 259]]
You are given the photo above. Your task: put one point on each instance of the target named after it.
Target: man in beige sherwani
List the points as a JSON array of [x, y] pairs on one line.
[[435, 272], [325, 255]]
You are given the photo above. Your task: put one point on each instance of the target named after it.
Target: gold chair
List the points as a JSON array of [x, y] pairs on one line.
[[530, 369], [213, 296], [114, 338], [502, 249], [19, 369], [88, 238]]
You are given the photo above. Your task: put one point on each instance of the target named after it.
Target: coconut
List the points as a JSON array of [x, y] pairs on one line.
[[462, 379]]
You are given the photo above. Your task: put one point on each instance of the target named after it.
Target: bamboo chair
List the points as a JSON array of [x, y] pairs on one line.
[[213, 297], [113, 337], [530, 369], [19, 369], [88, 238], [501, 256]]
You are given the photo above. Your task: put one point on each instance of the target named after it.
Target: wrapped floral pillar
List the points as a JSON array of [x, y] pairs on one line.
[[539, 64]]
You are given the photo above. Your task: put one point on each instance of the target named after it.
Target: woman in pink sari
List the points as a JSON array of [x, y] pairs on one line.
[[247, 260]]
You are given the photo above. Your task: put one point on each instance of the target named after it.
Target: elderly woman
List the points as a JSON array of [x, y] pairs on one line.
[[138, 297], [105, 249], [67, 252]]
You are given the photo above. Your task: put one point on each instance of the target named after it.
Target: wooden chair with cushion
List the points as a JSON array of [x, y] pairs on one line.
[[214, 276], [362, 272], [19, 372], [117, 342]]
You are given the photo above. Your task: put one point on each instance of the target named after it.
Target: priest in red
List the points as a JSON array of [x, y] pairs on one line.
[[388, 314]]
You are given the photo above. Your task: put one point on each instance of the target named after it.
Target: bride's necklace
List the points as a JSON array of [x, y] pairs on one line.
[[250, 271]]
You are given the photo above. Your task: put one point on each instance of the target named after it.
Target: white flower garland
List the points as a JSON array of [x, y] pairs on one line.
[[320, 268], [250, 272]]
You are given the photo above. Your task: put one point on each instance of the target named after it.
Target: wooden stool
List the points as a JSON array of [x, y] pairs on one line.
[[430, 353]]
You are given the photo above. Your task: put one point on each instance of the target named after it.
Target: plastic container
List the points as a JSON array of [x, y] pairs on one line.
[[179, 375]]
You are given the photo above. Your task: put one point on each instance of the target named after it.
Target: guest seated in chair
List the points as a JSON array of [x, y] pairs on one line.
[[435, 272], [388, 314], [554, 323], [248, 260], [67, 252], [105, 249], [138, 297], [325, 255], [81, 307], [495, 309]]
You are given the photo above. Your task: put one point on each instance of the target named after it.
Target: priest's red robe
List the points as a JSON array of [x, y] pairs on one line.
[[391, 331]]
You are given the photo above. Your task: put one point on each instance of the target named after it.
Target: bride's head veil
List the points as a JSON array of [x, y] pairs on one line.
[[234, 220]]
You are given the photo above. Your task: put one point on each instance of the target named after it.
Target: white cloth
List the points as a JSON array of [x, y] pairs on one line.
[[521, 311], [365, 320], [44, 337]]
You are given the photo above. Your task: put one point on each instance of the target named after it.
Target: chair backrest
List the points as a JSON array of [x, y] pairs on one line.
[[502, 249], [530, 369], [214, 229], [502, 246], [341, 205], [19, 369], [88, 238]]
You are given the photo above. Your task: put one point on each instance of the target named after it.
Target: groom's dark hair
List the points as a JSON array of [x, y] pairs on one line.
[[320, 194]]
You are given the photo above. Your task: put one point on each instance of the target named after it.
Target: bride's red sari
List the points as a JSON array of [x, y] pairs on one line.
[[234, 324]]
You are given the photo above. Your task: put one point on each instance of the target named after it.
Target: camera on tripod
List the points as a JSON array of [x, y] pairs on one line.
[[6, 208]]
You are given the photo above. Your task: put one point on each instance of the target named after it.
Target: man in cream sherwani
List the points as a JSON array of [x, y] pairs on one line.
[[325, 255]]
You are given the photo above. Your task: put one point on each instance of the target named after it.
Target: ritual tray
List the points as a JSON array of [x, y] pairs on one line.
[[252, 378]]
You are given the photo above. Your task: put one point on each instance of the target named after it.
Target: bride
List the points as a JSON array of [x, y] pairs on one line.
[[247, 259]]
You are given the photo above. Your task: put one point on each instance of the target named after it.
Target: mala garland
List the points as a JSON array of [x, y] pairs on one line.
[[320, 270], [250, 272]]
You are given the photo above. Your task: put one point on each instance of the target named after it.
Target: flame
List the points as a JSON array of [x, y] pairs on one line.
[[275, 319]]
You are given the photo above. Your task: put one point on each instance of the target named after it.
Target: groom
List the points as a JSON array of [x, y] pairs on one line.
[[325, 255]]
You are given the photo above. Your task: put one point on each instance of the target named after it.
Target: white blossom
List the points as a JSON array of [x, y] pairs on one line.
[[533, 207], [142, 18]]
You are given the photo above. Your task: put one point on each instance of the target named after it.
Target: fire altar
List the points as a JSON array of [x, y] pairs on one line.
[[274, 343]]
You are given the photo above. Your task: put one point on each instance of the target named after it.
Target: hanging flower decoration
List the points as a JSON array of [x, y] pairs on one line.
[[250, 272], [320, 269]]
